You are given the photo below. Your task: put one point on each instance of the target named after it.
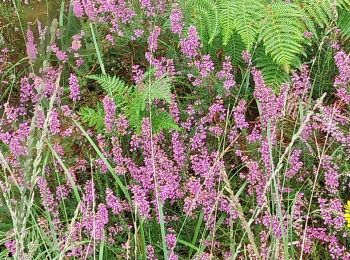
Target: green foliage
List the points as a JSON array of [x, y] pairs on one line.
[[272, 73], [135, 110], [132, 101], [279, 25], [113, 86], [345, 4], [234, 48], [248, 13], [205, 15], [159, 89], [344, 23], [227, 20], [319, 10], [162, 120], [282, 34], [93, 117]]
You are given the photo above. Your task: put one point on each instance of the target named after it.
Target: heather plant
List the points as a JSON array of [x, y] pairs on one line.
[[160, 129]]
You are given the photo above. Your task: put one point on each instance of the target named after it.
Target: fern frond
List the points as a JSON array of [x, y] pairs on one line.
[[159, 89], [93, 117], [161, 120], [227, 11], [234, 49], [248, 15], [308, 21], [345, 4], [205, 16], [272, 73], [134, 110], [344, 23], [319, 10], [282, 33], [112, 85]]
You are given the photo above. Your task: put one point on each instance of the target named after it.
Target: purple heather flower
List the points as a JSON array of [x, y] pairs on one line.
[[32, 51], [42, 32], [226, 74], [113, 202], [270, 105], [16, 146], [256, 179], [337, 250], [295, 164], [99, 222], [191, 44], [176, 18], [174, 109], [140, 201], [308, 34], [89, 192], [147, 5], [171, 240], [301, 82], [27, 91], [332, 212], [78, 8], [150, 253], [74, 87], [162, 65], [178, 150], [61, 55], [198, 140], [247, 57], [122, 124], [47, 198], [173, 256], [331, 174], [76, 43], [62, 192], [153, 39], [54, 122], [101, 165], [204, 66], [272, 223], [239, 115], [137, 34], [342, 60], [10, 112], [11, 246], [137, 74], [110, 109]]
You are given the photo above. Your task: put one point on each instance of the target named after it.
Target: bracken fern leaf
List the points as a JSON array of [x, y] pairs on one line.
[[161, 120], [344, 23], [159, 89], [206, 17], [227, 11], [93, 117], [272, 73], [248, 15], [343, 4], [112, 85], [234, 49], [319, 10], [282, 33]]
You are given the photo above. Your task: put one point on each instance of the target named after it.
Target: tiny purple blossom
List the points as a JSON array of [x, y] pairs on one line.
[[176, 20], [74, 87], [110, 109], [191, 44], [32, 51], [153, 39]]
